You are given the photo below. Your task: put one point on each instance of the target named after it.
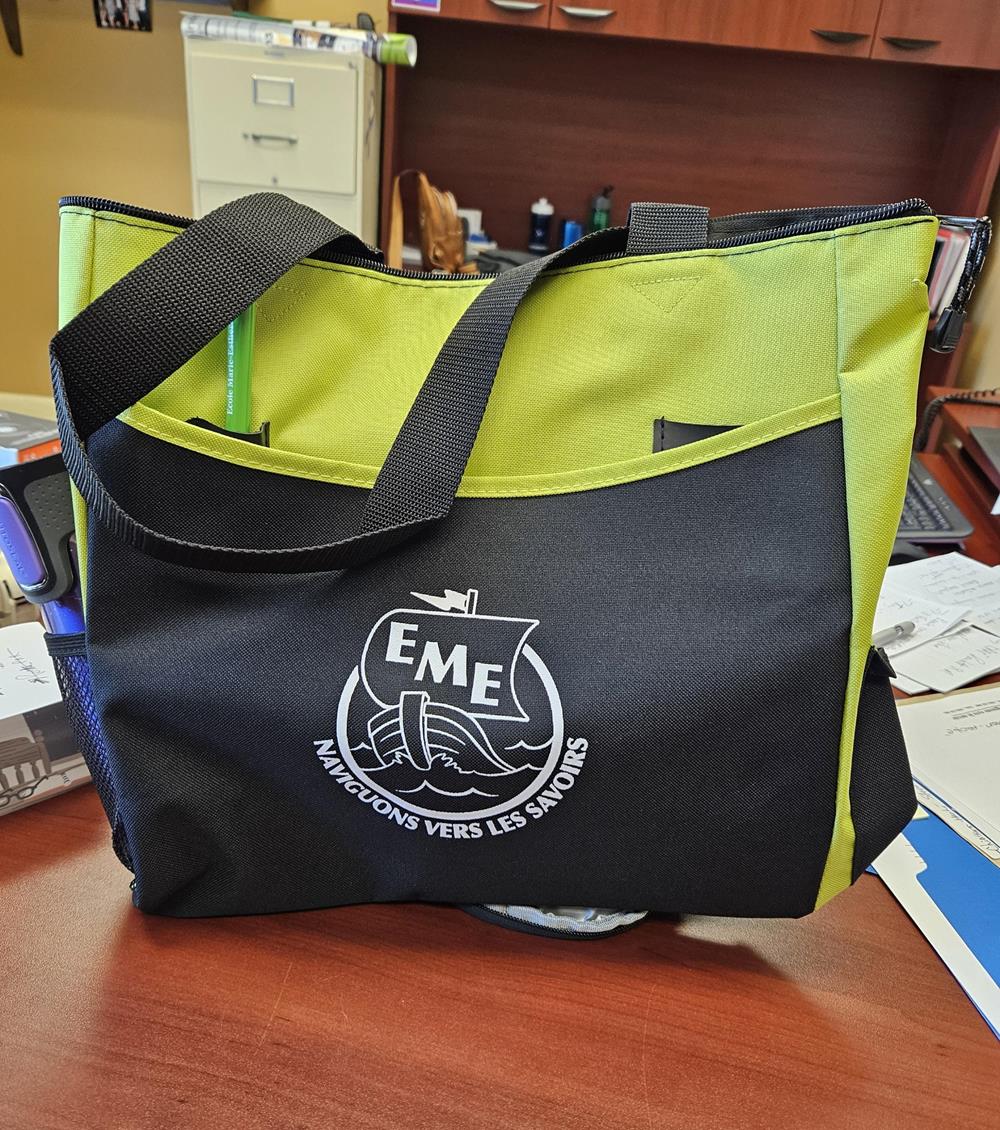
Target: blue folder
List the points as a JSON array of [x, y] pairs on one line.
[[965, 886]]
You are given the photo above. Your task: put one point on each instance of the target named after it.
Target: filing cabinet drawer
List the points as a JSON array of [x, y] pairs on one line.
[[342, 210], [287, 124]]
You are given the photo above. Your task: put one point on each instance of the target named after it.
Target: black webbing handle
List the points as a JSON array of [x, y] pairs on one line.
[[161, 314]]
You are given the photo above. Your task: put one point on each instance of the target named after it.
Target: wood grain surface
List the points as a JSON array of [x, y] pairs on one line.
[[422, 1017], [781, 25], [502, 115], [961, 33]]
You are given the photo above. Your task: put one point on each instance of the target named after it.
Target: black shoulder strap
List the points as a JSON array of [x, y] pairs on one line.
[[157, 317], [657, 228]]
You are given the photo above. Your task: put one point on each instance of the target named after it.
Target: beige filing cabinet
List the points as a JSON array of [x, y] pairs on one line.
[[305, 123]]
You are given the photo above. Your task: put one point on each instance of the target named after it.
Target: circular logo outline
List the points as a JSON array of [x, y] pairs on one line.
[[537, 784]]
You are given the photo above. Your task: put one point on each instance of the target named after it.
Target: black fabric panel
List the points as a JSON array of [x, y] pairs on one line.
[[696, 626], [882, 796], [192, 497]]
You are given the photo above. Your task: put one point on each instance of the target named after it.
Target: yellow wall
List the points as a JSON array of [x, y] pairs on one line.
[[90, 112], [342, 11]]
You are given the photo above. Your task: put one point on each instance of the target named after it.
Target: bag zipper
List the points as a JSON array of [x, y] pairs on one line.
[[99, 204], [734, 230]]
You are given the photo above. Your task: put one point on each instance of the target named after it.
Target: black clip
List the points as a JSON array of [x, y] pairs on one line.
[[944, 336]]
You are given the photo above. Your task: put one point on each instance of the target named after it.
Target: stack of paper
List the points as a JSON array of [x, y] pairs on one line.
[[953, 742], [955, 604]]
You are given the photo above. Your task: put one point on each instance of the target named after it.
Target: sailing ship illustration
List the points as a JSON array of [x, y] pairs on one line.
[[442, 680], [421, 730]]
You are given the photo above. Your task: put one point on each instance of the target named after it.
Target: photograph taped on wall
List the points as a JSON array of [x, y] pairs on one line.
[[124, 15]]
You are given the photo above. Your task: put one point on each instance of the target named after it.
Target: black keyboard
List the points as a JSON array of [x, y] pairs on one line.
[[928, 513]]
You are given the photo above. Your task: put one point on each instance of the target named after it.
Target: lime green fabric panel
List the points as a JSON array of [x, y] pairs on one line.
[[80, 525], [731, 336], [882, 322], [597, 353], [217, 446], [76, 259], [76, 255], [333, 344]]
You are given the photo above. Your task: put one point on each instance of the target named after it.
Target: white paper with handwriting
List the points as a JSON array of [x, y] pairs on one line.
[[953, 580], [953, 742], [952, 661], [929, 617], [27, 677]]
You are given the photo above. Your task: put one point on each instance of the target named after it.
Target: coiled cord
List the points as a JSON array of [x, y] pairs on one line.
[[932, 411]]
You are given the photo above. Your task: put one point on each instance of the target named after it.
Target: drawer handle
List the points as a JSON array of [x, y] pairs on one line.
[[287, 138], [838, 36], [586, 13], [905, 44], [516, 5]]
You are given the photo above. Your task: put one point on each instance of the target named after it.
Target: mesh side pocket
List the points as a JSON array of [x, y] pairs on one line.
[[882, 796], [73, 673]]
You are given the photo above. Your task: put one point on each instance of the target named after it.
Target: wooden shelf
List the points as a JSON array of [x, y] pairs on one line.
[[502, 114]]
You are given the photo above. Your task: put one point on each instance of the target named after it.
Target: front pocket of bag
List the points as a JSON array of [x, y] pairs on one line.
[[69, 657], [882, 796]]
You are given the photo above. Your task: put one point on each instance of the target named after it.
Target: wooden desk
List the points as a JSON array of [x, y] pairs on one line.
[[422, 1017]]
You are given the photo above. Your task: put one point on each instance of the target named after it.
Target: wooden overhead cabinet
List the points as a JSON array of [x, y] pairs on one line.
[[517, 13], [959, 33], [828, 27]]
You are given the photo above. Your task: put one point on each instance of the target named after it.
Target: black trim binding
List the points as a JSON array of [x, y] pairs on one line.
[[73, 643]]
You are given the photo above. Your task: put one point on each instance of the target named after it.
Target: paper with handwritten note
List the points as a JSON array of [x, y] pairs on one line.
[[953, 580], [27, 677], [929, 617], [953, 742], [952, 661]]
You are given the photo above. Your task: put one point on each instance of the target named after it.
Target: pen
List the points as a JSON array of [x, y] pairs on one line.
[[896, 632], [239, 370]]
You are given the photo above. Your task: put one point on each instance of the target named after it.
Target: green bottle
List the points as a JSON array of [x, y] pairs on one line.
[[600, 216]]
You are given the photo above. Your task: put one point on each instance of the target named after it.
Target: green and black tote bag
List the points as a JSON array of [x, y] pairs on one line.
[[553, 589]]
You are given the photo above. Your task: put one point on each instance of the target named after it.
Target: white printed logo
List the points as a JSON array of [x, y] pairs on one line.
[[452, 723]]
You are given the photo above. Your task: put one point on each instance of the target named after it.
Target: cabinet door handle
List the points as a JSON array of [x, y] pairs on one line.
[[287, 138], [516, 5], [586, 13], [905, 44], [838, 36]]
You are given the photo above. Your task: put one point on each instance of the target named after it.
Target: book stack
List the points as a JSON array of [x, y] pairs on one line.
[[24, 438]]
